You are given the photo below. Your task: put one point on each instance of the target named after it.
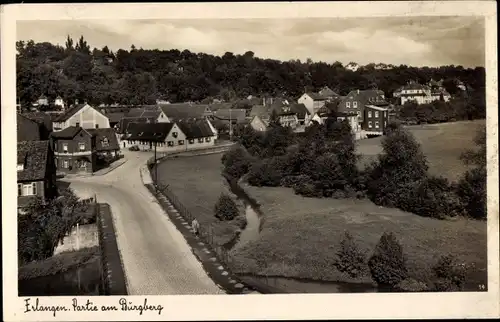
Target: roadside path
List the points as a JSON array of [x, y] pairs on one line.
[[156, 258]]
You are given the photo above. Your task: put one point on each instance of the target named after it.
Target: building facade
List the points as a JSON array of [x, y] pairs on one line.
[[82, 115], [74, 150], [36, 173]]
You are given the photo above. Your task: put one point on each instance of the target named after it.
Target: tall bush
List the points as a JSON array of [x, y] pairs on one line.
[[225, 208], [388, 264], [350, 259], [471, 188], [237, 162], [450, 273], [399, 168], [45, 223]]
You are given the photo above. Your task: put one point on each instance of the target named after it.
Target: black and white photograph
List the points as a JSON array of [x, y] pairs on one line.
[[250, 156]]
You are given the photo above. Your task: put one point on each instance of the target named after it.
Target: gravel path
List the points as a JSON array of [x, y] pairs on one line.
[[157, 260]]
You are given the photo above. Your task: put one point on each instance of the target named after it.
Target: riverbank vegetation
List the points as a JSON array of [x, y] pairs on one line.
[[300, 236], [198, 184]]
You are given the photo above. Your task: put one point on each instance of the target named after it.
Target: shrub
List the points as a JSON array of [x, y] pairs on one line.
[[225, 208], [471, 190], [236, 162], [449, 269], [291, 181], [350, 259], [307, 189], [430, 197], [388, 264], [268, 172], [391, 180]]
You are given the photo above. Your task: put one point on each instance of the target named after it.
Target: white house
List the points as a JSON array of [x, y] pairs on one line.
[[82, 115], [312, 101], [59, 102], [352, 66], [258, 124], [421, 94]]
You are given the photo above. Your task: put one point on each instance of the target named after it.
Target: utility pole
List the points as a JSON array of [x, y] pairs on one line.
[[156, 169], [230, 126]]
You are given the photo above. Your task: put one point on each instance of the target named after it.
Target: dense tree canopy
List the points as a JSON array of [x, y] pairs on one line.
[[138, 76]]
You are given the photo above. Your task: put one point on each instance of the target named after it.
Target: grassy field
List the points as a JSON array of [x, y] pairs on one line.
[[197, 182], [300, 237], [441, 143]]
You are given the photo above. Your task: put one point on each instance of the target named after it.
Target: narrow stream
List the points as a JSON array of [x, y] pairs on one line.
[[253, 216]]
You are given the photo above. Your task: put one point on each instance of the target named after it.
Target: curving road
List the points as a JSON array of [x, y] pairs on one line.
[[156, 258]]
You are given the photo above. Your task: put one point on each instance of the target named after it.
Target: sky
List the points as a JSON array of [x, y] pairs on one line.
[[415, 41]]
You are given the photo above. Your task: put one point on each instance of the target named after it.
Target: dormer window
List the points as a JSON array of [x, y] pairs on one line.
[[105, 142], [20, 167]]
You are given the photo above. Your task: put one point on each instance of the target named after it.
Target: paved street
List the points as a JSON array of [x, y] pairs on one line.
[[157, 260]]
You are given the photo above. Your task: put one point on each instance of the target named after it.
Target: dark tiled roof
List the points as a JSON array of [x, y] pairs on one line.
[[235, 114], [67, 133], [115, 117], [34, 156], [27, 129], [327, 92], [101, 135], [316, 96], [184, 111], [149, 132], [69, 113], [150, 111], [300, 109], [126, 121], [220, 106], [195, 130]]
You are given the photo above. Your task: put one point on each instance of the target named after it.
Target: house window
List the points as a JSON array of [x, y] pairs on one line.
[[181, 142], [28, 189], [65, 147], [81, 146], [355, 104], [174, 134], [83, 164], [376, 125], [97, 126], [348, 104], [376, 113], [19, 189], [359, 113], [191, 141], [207, 139], [385, 123], [369, 124], [369, 113], [77, 124], [170, 143], [200, 140], [385, 114], [65, 164], [105, 142]]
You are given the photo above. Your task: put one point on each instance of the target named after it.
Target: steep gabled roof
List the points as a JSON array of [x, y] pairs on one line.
[[123, 125], [33, 155], [195, 130], [300, 109], [68, 133], [316, 96], [153, 111], [27, 129], [102, 135], [235, 114], [185, 111], [69, 113], [152, 132]]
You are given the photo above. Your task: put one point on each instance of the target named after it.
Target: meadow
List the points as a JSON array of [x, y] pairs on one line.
[[198, 183], [300, 236]]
